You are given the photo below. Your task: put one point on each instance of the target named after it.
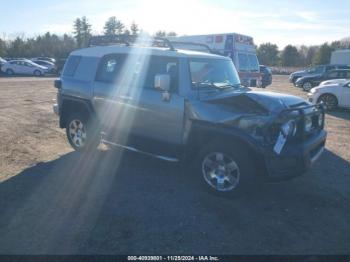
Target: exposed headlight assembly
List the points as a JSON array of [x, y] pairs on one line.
[[289, 128], [308, 124], [320, 120]]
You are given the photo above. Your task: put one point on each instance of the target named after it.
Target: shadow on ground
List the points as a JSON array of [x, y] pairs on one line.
[[343, 113], [121, 203]]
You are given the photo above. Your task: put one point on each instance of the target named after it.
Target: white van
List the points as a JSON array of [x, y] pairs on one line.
[[341, 57], [240, 48]]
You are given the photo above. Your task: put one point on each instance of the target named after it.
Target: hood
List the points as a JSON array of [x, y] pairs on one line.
[[326, 88], [234, 105], [301, 72], [335, 81], [274, 102]]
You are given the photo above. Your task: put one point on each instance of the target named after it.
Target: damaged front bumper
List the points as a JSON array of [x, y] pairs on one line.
[[295, 158]]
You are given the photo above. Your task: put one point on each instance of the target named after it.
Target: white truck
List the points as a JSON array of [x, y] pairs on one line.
[[240, 48], [341, 57]]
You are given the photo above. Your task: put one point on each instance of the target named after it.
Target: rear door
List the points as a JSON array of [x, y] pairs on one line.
[[28, 68]]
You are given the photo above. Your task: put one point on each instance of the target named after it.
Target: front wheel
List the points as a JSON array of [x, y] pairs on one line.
[[81, 133], [9, 72], [307, 86], [330, 101], [224, 169]]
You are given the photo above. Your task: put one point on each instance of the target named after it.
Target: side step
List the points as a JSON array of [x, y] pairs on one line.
[[169, 159]]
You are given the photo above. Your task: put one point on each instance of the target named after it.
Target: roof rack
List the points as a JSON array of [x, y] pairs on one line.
[[128, 40], [194, 44]]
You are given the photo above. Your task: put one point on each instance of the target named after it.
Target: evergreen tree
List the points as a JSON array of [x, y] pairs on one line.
[[268, 54], [134, 28], [290, 56]]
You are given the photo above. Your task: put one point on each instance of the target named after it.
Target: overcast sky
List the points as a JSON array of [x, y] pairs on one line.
[[282, 22]]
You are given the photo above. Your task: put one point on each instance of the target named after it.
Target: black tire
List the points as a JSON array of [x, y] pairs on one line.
[[9, 72], [90, 140], [247, 179], [330, 101], [37, 73], [307, 86]]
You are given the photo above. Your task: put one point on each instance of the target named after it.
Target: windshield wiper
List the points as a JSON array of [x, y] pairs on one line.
[[229, 86]]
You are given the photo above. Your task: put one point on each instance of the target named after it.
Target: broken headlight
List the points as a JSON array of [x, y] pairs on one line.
[[289, 128], [308, 124]]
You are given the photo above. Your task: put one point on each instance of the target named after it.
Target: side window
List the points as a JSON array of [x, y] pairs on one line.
[[333, 74], [162, 65], [71, 65], [347, 75], [109, 68]]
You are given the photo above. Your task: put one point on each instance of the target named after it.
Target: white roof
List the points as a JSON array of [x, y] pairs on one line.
[[99, 51]]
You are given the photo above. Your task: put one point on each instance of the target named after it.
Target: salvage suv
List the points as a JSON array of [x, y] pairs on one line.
[[189, 106]]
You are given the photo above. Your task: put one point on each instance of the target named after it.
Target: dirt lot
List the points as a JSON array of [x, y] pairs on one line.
[[55, 201]]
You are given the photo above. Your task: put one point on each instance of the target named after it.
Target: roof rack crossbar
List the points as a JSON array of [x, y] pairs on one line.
[[127, 40], [195, 44]]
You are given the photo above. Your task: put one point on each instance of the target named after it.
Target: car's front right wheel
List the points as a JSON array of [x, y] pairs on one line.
[[307, 86], [224, 169], [329, 100]]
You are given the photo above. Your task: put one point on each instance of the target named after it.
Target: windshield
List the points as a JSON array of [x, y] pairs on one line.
[[213, 73], [248, 62]]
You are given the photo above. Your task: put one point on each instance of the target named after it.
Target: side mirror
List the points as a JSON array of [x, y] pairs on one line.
[[162, 82]]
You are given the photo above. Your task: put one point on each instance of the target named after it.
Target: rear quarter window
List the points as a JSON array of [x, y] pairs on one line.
[[71, 65]]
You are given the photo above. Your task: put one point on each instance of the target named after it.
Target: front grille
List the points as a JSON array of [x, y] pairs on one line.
[[253, 82], [301, 114]]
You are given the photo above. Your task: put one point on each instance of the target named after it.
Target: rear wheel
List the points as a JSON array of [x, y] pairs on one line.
[[307, 86], [224, 170], [81, 133], [329, 100]]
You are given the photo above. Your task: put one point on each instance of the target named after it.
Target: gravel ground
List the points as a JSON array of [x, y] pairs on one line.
[[55, 201]]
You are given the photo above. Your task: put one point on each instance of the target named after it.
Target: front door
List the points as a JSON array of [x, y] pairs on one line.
[[158, 122], [345, 96], [131, 111]]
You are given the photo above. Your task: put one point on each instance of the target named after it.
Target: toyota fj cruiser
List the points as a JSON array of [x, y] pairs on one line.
[[190, 106]]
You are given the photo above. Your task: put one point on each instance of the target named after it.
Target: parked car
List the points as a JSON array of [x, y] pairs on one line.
[[315, 71], [332, 94], [25, 67], [51, 66], [181, 105], [2, 61], [60, 64], [43, 58], [308, 82], [266, 78]]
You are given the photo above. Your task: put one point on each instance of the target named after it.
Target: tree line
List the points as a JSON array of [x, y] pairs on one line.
[[59, 46], [302, 56]]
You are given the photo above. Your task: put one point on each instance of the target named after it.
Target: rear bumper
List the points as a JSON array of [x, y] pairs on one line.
[[295, 159]]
